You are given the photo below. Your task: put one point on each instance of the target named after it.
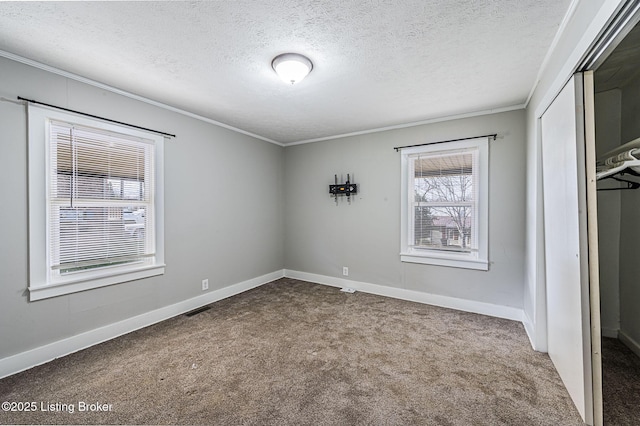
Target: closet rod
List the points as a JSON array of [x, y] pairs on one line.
[[96, 116], [494, 136], [630, 183]]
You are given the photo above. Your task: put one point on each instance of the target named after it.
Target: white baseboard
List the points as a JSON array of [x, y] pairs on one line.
[[31, 358], [529, 329], [40, 355], [609, 332], [483, 308], [629, 342]]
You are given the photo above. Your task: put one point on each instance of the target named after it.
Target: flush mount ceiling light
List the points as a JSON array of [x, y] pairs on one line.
[[291, 67]]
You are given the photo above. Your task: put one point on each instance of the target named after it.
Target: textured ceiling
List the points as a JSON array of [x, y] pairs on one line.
[[377, 63]]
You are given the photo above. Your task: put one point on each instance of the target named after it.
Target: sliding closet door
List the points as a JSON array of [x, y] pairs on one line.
[[566, 244]]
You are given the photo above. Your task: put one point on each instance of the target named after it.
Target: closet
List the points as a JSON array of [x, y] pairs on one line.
[[617, 122]]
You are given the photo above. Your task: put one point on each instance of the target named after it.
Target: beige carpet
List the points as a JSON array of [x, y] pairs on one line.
[[295, 353], [620, 384]]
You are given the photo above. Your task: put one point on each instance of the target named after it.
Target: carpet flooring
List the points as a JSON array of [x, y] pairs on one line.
[[620, 384], [296, 353]]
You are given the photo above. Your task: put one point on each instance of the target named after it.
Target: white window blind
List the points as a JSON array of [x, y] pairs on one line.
[[444, 200], [101, 207]]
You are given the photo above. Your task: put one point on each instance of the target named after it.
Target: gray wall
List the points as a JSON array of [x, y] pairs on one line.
[[617, 113], [608, 121], [629, 229], [321, 237], [223, 212]]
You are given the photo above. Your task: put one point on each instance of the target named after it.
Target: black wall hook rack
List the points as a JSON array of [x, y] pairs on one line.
[[346, 188]]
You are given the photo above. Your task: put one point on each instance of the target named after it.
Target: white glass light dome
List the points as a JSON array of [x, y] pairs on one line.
[[291, 67]]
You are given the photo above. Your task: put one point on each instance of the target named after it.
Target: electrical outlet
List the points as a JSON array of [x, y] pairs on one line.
[[205, 284], [345, 271]]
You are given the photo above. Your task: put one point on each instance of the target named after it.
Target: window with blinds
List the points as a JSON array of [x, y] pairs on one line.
[[96, 204], [100, 199], [445, 204], [444, 200]]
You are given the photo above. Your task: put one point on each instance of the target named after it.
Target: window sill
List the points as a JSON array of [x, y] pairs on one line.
[[452, 260], [87, 283]]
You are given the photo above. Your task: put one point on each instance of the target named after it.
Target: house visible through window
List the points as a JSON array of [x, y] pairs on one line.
[[102, 203], [445, 204]]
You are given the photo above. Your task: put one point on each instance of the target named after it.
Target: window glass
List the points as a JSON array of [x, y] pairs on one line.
[[444, 204]]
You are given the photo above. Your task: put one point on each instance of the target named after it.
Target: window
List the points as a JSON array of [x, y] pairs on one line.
[[95, 203], [445, 204]]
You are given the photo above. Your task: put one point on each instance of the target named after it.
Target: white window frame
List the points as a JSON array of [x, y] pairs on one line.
[[41, 284], [477, 259]]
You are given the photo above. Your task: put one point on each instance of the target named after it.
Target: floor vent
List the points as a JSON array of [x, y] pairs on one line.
[[197, 311]]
